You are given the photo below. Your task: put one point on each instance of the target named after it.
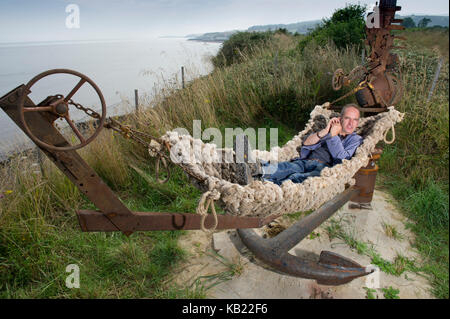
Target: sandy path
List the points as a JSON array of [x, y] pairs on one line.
[[240, 275]]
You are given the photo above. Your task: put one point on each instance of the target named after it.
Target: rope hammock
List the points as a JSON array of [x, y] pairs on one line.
[[211, 170]]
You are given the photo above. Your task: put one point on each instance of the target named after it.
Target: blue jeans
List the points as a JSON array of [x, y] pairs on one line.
[[296, 171]]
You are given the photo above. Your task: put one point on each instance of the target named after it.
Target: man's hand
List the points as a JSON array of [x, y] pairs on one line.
[[336, 129], [315, 138], [333, 121]]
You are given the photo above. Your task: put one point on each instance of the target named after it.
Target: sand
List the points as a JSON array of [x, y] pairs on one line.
[[238, 274]]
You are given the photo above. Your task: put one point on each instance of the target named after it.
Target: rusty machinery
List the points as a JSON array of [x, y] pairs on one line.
[[37, 121], [379, 85]]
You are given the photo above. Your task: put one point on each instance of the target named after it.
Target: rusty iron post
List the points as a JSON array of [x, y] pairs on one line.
[[182, 77], [385, 88], [365, 181], [379, 85]]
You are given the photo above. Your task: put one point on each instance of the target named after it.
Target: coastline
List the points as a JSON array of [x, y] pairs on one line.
[[204, 40]]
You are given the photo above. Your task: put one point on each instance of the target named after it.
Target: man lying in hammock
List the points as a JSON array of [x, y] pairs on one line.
[[326, 148]]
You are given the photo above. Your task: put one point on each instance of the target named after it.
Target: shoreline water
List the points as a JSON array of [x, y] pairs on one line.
[[118, 67], [23, 143]]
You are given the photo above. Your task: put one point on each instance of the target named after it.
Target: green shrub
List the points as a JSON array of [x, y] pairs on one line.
[[239, 45], [345, 28]]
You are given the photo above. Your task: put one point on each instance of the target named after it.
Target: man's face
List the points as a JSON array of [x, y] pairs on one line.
[[350, 120]]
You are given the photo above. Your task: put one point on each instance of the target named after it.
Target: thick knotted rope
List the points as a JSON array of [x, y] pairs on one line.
[[393, 135], [206, 201], [166, 167]]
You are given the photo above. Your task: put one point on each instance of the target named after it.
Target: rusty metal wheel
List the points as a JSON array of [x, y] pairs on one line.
[[59, 107]]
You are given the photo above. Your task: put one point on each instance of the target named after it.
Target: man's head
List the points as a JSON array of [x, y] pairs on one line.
[[349, 119]]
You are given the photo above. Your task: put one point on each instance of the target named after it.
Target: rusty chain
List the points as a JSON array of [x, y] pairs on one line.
[[137, 136], [360, 86], [86, 110]]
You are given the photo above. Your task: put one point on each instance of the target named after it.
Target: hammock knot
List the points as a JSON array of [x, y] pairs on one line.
[[153, 148], [393, 135], [206, 201]]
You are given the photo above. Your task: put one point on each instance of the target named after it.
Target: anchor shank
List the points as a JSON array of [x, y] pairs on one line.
[[294, 234], [330, 269]]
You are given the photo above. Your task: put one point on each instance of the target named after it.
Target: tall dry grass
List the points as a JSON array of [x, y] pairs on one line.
[[274, 81], [421, 148], [430, 39], [416, 167]]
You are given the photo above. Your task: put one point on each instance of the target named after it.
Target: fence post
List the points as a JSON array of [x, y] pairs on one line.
[[136, 99], [40, 160], [436, 78], [275, 64], [275, 72], [182, 77]]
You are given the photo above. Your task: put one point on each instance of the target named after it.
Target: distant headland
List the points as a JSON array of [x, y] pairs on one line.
[[301, 28]]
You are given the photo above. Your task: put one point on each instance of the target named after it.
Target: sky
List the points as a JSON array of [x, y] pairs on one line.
[[46, 20]]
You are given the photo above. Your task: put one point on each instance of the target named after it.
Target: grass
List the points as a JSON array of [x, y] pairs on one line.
[[110, 266], [390, 293], [243, 94], [274, 86], [39, 235], [428, 209], [370, 293], [397, 267], [392, 232], [206, 282], [430, 39], [415, 168]]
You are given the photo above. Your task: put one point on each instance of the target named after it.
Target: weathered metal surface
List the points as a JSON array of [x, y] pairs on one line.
[[330, 269], [378, 86], [58, 107], [69, 162], [94, 221], [382, 63], [365, 180], [113, 214], [364, 110]]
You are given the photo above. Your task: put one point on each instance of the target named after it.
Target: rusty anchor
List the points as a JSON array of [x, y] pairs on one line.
[[330, 269]]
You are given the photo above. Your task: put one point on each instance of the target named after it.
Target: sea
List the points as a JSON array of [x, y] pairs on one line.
[[118, 67]]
